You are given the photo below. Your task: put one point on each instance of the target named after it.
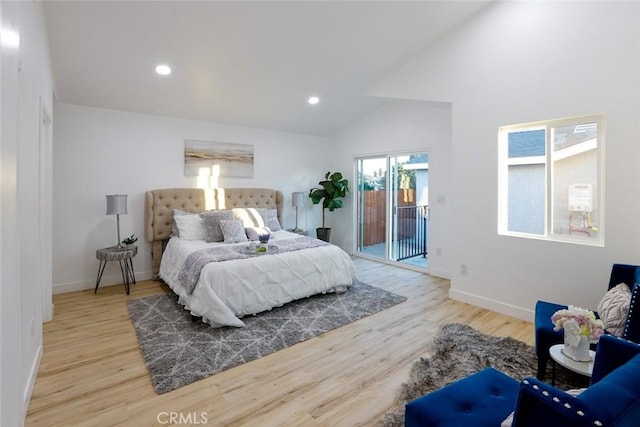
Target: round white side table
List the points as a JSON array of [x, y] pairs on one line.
[[582, 368]]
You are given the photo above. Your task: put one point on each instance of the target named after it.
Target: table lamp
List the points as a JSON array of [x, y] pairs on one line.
[[297, 201], [117, 205]]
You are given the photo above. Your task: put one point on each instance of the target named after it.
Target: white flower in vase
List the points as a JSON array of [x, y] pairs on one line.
[[572, 332]]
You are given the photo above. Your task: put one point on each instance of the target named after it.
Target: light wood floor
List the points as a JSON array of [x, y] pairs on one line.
[[92, 372]]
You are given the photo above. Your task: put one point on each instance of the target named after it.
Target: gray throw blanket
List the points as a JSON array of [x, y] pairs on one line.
[[196, 261]]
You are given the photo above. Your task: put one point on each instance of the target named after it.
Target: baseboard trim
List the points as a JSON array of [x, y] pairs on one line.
[[81, 285], [438, 272], [31, 381], [493, 305]]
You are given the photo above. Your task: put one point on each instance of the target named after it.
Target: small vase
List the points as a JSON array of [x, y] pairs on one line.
[[579, 353]]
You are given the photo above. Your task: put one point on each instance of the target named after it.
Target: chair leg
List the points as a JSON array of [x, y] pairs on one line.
[[542, 368]]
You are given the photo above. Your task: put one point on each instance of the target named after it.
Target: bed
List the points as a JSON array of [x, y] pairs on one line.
[[221, 282]]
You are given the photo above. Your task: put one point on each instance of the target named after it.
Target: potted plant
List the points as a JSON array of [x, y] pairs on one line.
[[332, 189], [129, 241]]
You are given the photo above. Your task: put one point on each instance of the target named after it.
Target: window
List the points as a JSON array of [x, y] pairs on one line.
[[550, 180]]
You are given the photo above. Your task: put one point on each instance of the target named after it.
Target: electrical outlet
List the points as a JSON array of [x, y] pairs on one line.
[[464, 269], [438, 251]]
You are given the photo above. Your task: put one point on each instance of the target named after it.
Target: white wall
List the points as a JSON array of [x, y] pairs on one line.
[[527, 61], [26, 89], [99, 152], [397, 127]]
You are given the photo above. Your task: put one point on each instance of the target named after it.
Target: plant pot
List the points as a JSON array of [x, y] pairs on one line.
[[323, 233], [579, 353]]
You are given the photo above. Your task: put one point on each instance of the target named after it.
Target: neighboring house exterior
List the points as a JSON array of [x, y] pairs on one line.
[[575, 166]]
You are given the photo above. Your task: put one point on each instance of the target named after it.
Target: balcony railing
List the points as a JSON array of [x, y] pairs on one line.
[[411, 231], [410, 226]]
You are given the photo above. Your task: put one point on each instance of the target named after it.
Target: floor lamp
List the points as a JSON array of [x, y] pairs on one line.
[[117, 205], [297, 201]]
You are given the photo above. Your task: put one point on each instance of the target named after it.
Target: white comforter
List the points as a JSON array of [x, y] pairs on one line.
[[231, 289]]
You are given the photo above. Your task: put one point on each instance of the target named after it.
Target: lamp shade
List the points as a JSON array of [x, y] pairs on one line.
[[116, 204], [297, 199]]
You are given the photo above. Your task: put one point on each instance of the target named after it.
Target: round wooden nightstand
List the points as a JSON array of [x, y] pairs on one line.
[[124, 256]]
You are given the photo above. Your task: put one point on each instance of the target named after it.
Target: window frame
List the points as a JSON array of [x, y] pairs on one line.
[[548, 160]]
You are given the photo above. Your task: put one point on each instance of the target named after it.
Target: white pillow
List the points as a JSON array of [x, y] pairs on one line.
[[258, 217], [250, 217], [233, 231], [189, 227], [614, 307], [174, 226]]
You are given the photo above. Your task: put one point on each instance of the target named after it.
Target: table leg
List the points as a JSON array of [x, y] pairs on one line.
[[101, 267], [132, 274], [125, 275]]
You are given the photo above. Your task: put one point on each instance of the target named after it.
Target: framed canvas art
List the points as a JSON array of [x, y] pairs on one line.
[[230, 160]]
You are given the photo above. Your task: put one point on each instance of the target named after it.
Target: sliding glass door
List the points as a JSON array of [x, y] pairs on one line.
[[372, 207], [392, 208]]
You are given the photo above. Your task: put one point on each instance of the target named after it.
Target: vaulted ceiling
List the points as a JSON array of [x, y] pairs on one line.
[[245, 63]]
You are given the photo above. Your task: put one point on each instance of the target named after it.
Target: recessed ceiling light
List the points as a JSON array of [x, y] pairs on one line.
[[163, 70], [313, 100]]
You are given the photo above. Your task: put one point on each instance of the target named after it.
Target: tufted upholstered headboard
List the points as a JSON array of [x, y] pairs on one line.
[[159, 206]]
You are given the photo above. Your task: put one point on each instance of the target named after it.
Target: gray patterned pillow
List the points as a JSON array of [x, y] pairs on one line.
[[613, 309], [211, 223], [270, 218], [233, 231]]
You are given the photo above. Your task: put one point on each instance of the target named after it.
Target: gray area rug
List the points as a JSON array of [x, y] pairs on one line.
[[178, 351], [458, 351]]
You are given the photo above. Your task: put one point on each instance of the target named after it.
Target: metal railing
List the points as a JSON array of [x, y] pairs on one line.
[[411, 231]]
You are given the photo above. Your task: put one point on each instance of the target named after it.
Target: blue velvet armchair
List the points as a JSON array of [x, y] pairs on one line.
[[545, 336], [612, 398], [488, 397]]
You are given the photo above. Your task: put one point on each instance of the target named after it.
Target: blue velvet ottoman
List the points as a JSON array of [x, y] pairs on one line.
[[485, 398]]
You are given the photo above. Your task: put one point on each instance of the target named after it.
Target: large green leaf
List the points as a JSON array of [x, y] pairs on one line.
[[332, 189]]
